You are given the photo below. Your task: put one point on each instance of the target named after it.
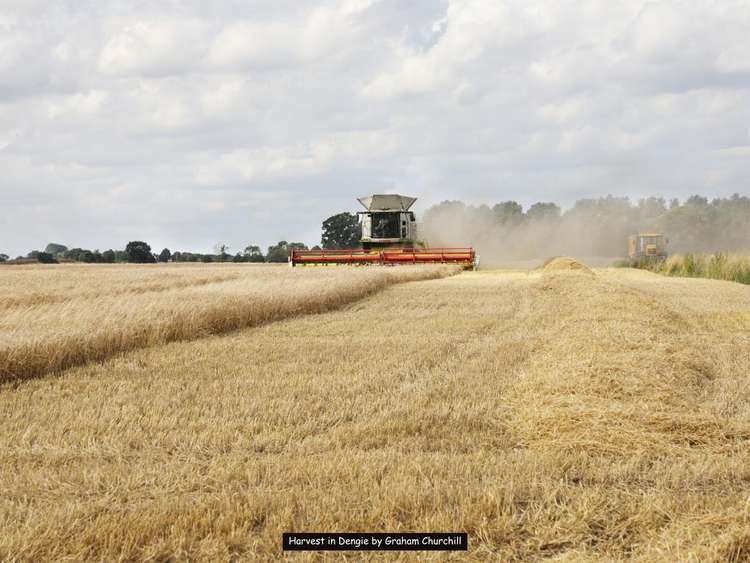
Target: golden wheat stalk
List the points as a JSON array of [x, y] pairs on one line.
[[59, 333]]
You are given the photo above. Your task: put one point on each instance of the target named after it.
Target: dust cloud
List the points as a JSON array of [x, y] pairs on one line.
[[594, 231], [525, 243]]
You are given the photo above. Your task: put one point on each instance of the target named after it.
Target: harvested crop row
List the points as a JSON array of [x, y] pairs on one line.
[[39, 339]]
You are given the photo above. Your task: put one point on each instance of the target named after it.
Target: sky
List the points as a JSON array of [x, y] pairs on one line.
[[188, 123]]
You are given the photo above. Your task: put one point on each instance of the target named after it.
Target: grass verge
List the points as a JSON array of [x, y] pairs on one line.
[[717, 266]]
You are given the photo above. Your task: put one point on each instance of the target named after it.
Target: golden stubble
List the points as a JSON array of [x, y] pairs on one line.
[[550, 415]]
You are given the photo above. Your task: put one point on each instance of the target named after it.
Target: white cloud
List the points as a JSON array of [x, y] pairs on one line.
[[292, 161], [563, 111], [82, 105], [294, 41], [154, 47]]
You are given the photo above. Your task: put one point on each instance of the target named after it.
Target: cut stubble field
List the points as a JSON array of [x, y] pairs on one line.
[[561, 414]]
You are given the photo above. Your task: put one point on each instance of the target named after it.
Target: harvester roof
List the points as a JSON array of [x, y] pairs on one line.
[[387, 202]]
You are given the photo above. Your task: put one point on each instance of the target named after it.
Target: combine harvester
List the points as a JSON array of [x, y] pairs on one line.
[[389, 232], [647, 247]]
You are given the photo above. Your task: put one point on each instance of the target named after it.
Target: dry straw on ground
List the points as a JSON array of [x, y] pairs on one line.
[[549, 415], [563, 263], [61, 316]]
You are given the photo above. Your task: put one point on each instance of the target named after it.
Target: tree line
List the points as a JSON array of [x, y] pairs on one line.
[[139, 252], [591, 227], [338, 231]]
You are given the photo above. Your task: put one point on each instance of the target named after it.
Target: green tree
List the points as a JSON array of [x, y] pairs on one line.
[[341, 231], [4, 257], [165, 255], [139, 252], [253, 253], [280, 252], [596, 227], [508, 212], [221, 252], [56, 249], [697, 201], [542, 211], [73, 254], [42, 257], [733, 217], [697, 226], [108, 256], [651, 207]]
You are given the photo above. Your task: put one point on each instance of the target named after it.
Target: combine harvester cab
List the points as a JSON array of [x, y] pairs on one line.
[[389, 233]]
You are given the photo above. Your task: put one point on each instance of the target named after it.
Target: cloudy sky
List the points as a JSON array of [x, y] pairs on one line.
[[185, 122]]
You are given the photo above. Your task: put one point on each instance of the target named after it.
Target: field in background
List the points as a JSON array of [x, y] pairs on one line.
[[54, 317], [562, 414]]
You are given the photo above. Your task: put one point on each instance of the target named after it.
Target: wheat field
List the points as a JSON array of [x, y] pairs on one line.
[[58, 318], [566, 415]]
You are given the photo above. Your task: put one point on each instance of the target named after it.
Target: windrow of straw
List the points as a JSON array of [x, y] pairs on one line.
[[718, 266], [38, 339]]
